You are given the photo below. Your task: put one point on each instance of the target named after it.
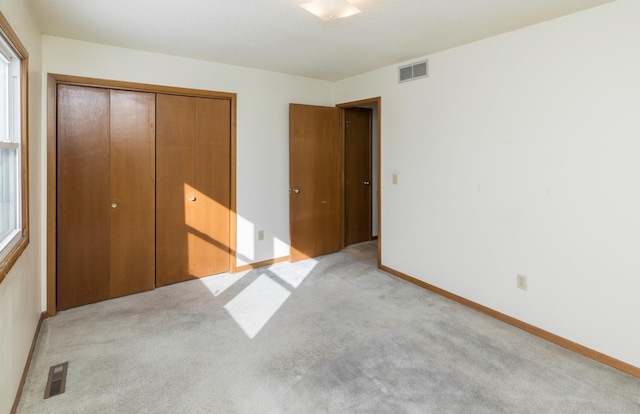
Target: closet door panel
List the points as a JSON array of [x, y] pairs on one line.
[[193, 183], [210, 238], [132, 212], [175, 146], [82, 196]]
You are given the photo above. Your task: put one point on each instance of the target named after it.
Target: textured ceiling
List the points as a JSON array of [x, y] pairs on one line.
[[280, 36]]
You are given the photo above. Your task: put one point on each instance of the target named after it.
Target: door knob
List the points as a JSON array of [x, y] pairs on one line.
[[114, 205], [295, 190], [367, 183], [192, 198]]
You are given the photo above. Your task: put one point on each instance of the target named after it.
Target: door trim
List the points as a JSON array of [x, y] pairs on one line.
[[52, 86], [378, 102]]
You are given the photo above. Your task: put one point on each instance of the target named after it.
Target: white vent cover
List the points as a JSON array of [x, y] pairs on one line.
[[413, 71]]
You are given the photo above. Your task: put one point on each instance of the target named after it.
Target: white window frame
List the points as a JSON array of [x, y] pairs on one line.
[[14, 231]]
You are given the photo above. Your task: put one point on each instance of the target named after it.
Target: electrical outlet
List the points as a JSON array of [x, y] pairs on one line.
[[522, 282], [260, 234]]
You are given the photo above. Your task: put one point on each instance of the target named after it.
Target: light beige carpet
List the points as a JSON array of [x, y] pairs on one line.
[[366, 252], [332, 335]]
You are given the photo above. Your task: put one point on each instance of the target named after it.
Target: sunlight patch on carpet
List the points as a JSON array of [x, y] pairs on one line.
[[293, 273], [256, 304], [219, 283]]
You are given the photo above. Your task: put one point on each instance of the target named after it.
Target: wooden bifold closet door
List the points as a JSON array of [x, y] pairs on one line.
[[193, 187], [105, 194]]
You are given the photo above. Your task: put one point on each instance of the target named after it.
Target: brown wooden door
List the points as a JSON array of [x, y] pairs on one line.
[[132, 188], [105, 194], [193, 187], [315, 175], [83, 196], [357, 175]]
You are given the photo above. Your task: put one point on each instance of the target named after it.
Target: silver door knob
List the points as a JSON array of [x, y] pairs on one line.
[[367, 183], [114, 205], [192, 198]]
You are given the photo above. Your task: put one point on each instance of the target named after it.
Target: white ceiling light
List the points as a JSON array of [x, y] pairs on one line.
[[331, 9]]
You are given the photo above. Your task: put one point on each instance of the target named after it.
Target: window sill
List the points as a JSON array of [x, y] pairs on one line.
[[12, 257]]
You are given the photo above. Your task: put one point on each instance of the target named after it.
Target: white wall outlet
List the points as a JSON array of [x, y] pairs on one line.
[[394, 178], [522, 282], [260, 234]]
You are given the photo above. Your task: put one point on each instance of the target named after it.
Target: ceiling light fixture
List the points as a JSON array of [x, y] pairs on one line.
[[331, 9]]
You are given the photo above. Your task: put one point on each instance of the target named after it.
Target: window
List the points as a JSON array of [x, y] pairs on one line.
[[13, 148]]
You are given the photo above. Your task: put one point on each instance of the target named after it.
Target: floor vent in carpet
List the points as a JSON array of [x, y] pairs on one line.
[[56, 381]]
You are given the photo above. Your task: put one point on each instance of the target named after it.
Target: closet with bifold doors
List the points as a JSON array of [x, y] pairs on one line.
[[193, 187], [143, 188], [106, 194]]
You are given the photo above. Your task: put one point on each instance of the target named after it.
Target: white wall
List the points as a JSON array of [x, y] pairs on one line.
[[20, 292], [262, 124], [520, 154]]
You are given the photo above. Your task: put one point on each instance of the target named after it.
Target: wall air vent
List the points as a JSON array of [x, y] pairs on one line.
[[413, 71]]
